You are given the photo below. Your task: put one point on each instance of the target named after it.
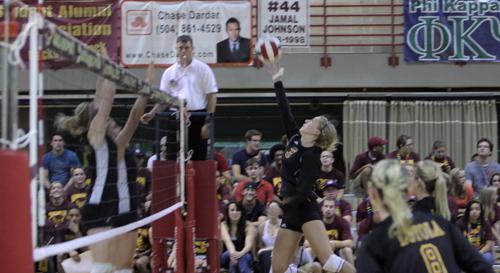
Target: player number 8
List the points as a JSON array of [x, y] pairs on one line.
[[432, 259]]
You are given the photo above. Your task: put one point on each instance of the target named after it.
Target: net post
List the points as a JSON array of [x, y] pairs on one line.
[[16, 253]]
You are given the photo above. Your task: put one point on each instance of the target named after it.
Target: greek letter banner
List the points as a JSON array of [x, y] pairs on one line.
[[221, 31], [452, 30]]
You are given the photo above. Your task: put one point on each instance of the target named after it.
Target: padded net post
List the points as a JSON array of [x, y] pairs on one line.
[[16, 253]]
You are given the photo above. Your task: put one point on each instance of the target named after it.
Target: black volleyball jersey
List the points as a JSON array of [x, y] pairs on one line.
[[301, 165], [435, 245], [113, 182]]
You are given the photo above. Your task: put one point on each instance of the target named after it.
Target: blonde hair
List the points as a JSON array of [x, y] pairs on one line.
[[327, 137], [80, 120], [434, 183], [455, 189], [485, 198], [391, 180]]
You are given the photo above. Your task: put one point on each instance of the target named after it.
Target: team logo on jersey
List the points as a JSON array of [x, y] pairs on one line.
[[291, 151], [333, 234], [79, 199], [57, 217], [141, 180]]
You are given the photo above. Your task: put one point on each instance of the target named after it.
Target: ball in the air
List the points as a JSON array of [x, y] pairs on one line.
[[268, 49]]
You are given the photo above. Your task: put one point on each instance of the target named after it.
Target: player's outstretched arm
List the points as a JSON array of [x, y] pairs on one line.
[[276, 72]]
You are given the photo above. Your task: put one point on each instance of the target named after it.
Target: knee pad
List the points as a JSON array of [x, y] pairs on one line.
[[102, 268], [334, 264]]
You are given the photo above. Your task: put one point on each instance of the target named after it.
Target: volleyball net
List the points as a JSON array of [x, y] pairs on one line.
[[184, 236]]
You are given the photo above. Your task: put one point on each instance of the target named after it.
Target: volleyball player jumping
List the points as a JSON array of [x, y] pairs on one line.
[[301, 166]]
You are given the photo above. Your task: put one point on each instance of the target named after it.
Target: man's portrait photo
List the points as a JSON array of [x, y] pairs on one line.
[[235, 49]]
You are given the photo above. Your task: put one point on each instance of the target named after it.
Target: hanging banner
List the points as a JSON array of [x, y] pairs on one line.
[[286, 20], [94, 23], [221, 31], [452, 30]]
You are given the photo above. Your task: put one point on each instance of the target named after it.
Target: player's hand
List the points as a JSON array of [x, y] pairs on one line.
[[275, 71], [146, 118], [205, 131]]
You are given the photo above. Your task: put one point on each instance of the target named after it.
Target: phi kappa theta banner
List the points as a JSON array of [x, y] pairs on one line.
[[452, 30]]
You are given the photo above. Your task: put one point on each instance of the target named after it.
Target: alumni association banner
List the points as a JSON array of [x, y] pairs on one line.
[[94, 23], [149, 31], [452, 30]]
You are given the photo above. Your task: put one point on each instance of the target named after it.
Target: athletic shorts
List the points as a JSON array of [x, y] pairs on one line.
[[294, 218]]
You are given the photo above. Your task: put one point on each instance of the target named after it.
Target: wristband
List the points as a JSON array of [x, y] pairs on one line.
[[278, 74]]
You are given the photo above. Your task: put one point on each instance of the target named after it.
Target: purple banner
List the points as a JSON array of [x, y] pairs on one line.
[[95, 23]]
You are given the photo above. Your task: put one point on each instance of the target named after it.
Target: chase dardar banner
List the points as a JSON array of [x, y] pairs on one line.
[[150, 30], [452, 30]]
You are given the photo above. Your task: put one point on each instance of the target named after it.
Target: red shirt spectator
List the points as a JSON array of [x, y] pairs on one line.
[[264, 191]]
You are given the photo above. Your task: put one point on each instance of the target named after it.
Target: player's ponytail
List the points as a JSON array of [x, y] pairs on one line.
[[77, 123], [431, 175], [327, 134], [391, 179]]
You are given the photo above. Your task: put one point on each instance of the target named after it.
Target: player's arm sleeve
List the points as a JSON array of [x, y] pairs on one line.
[[366, 262], [468, 258], [285, 110]]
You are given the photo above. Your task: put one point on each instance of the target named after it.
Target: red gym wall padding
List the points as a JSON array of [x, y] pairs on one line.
[[16, 250]]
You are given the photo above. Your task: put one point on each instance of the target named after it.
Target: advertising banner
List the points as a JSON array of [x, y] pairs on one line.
[[221, 31]]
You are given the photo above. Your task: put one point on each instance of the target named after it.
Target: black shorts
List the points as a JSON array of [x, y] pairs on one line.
[[106, 215], [294, 218]]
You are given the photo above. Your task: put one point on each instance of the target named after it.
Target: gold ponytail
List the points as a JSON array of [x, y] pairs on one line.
[[434, 183], [327, 138], [392, 180]]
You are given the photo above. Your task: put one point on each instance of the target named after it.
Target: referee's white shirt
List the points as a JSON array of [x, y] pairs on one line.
[[191, 83]]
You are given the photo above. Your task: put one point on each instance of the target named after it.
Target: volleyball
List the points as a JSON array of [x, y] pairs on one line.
[[268, 49]]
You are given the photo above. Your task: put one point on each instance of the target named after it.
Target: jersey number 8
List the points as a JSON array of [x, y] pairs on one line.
[[432, 258]]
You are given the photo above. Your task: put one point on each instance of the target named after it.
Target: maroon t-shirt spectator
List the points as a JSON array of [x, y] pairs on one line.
[[364, 210], [411, 157], [334, 174], [265, 192], [343, 208], [76, 196], [222, 165], [56, 222], [273, 176], [338, 230], [446, 159], [361, 160]]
